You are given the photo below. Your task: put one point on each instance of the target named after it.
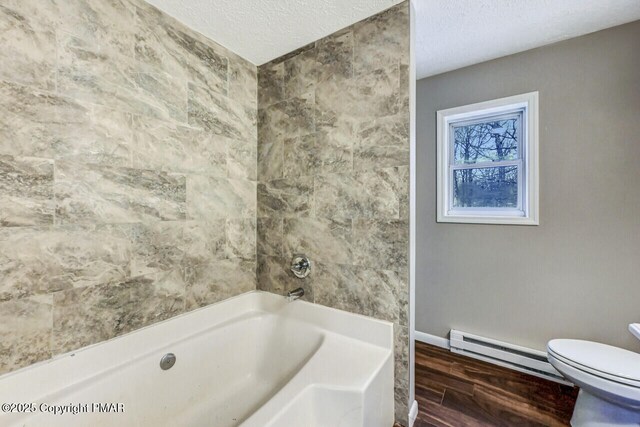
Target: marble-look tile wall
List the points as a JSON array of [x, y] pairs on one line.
[[128, 148], [333, 173]]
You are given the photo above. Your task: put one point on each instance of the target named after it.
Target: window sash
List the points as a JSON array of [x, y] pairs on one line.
[[519, 210], [515, 113], [519, 114], [485, 165]]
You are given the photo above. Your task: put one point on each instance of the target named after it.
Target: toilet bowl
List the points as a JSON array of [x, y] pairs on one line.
[[609, 381]]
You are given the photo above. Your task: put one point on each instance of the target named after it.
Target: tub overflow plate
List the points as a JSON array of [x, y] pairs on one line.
[[167, 361]]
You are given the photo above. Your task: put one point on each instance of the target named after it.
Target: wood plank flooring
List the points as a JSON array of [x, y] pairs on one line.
[[457, 391]]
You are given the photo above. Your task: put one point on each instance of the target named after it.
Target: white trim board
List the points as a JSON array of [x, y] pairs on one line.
[[524, 106], [493, 357], [413, 413], [412, 205], [432, 339]]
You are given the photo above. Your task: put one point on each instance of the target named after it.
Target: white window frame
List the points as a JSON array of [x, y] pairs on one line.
[[527, 211]]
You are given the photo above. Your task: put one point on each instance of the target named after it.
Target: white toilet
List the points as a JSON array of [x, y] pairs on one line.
[[608, 377]]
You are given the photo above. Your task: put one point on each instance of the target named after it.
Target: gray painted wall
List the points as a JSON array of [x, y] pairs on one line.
[[577, 274]]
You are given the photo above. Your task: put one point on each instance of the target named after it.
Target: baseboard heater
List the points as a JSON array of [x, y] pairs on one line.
[[511, 356]]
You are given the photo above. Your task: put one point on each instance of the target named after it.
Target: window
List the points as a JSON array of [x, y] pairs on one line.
[[488, 162]]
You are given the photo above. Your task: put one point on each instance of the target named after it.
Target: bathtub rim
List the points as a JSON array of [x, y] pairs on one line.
[[95, 359]]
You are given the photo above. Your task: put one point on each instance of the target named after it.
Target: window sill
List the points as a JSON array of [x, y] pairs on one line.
[[495, 220]]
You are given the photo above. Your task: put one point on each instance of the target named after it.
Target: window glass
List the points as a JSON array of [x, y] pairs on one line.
[[486, 141], [493, 187]]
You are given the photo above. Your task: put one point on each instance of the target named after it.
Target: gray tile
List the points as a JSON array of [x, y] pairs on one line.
[[100, 76], [243, 82], [166, 146], [26, 191], [92, 193], [158, 299], [219, 280], [165, 93], [402, 295], [341, 102], [220, 115], [110, 24], [143, 101], [270, 161], [292, 54], [155, 195], [361, 195], [28, 121], [382, 40], [286, 119], [25, 332], [403, 190], [241, 238], [39, 124], [270, 84], [381, 244], [84, 316], [322, 240], [382, 143], [28, 41], [371, 158], [337, 106], [242, 160], [404, 91], [335, 55], [300, 73], [384, 131], [211, 197], [156, 246], [274, 275], [91, 134], [377, 94], [105, 109], [290, 197], [27, 269], [42, 260], [401, 400], [356, 150], [204, 241], [270, 236], [358, 290], [334, 149], [301, 156], [87, 256], [164, 44], [401, 372]]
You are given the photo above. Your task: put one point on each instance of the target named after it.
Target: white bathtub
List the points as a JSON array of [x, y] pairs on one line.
[[252, 361]]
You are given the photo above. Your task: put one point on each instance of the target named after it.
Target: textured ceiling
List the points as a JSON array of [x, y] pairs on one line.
[[450, 34], [455, 33], [262, 30]]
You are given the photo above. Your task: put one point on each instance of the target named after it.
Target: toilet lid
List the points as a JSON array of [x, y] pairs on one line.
[[598, 359]]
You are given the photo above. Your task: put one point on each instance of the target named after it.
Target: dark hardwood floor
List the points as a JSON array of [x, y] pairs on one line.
[[457, 391]]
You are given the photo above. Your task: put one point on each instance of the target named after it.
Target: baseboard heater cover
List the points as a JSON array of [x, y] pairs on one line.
[[511, 356]]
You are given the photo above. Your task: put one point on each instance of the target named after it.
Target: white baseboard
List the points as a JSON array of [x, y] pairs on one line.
[[432, 339], [413, 413], [494, 359]]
